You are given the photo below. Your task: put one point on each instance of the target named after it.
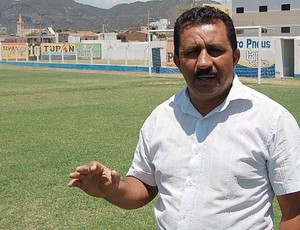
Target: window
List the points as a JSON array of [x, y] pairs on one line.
[[263, 8], [285, 30], [264, 30], [239, 31], [285, 7], [240, 10]]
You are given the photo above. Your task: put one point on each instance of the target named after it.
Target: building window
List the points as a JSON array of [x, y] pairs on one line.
[[264, 30], [285, 7], [239, 31], [263, 8], [285, 30], [240, 10]]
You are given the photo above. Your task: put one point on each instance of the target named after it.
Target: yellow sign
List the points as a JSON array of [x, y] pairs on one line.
[[14, 51], [58, 48], [58, 51]]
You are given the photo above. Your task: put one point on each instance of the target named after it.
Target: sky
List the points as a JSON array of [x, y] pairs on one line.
[[107, 4]]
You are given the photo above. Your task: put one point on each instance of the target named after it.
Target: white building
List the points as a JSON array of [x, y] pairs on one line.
[[162, 24], [3, 33], [279, 17], [107, 36], [280, 22]]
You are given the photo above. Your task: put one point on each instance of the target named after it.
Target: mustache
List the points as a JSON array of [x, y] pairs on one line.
[[205, 72]]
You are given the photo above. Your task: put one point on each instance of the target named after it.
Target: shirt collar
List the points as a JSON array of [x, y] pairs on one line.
[[237, 92]]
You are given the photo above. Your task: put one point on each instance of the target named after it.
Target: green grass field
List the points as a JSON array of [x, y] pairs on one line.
[[53, 120]]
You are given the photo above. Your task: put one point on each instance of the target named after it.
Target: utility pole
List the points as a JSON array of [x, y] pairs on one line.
[[148, 20], [40, 30], [103, 31]]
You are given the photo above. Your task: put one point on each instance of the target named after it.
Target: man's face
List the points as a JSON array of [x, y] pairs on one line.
[[206, 61]]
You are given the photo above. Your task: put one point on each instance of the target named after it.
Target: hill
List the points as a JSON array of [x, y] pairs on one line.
[[68, 14]]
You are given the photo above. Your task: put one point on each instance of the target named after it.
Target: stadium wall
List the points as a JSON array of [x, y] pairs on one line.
[[280, 56], [121, 68]]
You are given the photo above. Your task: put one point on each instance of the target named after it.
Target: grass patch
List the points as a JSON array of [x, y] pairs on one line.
[[52, 120]]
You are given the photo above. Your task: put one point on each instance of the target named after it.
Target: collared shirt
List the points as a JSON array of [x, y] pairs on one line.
[[219, 171]]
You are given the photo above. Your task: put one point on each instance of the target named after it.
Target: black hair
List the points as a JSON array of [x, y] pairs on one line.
[[203, 15]]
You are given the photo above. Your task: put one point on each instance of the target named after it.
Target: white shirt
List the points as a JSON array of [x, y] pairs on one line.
[[220, 171]]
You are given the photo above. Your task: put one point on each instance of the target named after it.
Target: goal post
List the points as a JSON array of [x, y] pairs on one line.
[[150, 32]]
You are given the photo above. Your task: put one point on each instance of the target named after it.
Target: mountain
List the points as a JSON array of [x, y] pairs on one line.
[[68, 14]]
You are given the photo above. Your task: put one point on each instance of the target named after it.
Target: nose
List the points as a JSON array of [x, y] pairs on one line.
[[204, 60]]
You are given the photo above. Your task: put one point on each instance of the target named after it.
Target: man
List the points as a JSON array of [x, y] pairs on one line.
[[217, 152]]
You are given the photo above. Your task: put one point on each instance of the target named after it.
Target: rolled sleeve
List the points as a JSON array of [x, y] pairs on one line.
[[141, 167], [284, 164]]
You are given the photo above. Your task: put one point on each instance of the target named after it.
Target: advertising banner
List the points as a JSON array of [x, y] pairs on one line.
[[14, 51], [58, 51], [248, 64], [84, 51]]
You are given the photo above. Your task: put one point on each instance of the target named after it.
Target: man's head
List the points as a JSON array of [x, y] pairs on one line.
[[203, 15], [206, 54]]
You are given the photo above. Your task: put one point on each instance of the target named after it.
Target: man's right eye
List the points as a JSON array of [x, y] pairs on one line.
[[191, 53]]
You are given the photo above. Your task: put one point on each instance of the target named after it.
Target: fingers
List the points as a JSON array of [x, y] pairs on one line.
[[74, 183], [95, 165], [80, 173], [86, 169], [93, 168], [115, 177]]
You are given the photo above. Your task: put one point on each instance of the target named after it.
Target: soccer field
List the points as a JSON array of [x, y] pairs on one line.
[[53, 120]]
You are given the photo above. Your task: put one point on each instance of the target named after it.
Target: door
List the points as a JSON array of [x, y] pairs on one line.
[[287, 46]]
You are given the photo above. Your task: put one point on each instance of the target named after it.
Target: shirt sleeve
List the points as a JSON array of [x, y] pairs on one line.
[[284, 161], [142, 167]]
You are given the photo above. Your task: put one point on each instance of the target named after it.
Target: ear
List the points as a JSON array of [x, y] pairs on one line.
[[176, 60], [236, 56]]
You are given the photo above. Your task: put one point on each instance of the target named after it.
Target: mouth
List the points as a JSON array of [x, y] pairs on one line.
[[206, 80], [206, 77], [206, 73]]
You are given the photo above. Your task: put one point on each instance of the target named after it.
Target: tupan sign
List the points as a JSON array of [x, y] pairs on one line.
[[56, 50], [14, 51]]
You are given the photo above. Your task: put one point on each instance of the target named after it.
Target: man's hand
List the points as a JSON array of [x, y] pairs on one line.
[[99, 181], [95, 179]]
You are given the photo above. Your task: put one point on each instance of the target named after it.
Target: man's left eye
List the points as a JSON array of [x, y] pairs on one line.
[[215, 52]]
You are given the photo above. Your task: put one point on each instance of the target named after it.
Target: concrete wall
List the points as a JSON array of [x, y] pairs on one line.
[[280, 56], [274, 19], [297, 57], [116, 50], [273, 5]]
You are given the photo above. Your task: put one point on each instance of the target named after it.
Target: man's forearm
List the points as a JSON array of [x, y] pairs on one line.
[[132, 194], [293, 223]]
